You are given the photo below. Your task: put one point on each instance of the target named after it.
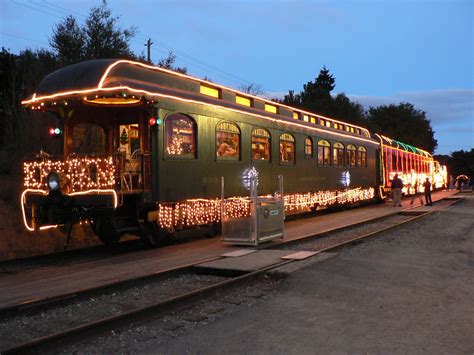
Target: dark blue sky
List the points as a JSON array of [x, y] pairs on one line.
[[379, 51]]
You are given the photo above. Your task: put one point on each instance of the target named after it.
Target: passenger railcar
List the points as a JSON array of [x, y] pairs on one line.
[[144, 150]]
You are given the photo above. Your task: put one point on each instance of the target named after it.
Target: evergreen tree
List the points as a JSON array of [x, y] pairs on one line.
[[346, 110], [69, 41], [104, 39], [404, 123], [99, 37], [316, 96]]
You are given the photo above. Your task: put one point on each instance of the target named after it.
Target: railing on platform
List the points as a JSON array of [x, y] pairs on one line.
[[121, 172]]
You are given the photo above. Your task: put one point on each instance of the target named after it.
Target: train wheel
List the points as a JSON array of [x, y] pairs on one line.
[[150, 235], [154, 236], [106, 231]]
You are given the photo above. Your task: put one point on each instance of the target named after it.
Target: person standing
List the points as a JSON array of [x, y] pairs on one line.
[[427, 186], [417, 193], [397, 185]]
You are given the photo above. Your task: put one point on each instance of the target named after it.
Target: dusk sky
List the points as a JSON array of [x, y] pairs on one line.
[[380, 52]]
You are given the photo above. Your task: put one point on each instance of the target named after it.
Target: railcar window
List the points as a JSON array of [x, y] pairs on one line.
[[313, 119], [210, 91], [180, 136], [227, 141], [287, 148], [242, 100], [322, 122], [261, 144], [308, 147], [296, 115], [362, 157], [88, 138], [338, 154], [324, 153], [271, 108], [129, 138], [306, 118], [351, 155]]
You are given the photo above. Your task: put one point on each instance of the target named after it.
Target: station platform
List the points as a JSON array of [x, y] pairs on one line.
[[29, 286]]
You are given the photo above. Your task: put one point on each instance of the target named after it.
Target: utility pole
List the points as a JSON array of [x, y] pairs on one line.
[[148, 45]]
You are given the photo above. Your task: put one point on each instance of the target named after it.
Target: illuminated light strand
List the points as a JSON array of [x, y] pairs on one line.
[[77, 169], [43, 192], [390, 140], [287, 121], [196, 212], [201, 81], [23, 202], [104, 76]]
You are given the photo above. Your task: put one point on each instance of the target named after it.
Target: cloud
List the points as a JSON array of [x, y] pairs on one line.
[[441, 106], [451, 112]]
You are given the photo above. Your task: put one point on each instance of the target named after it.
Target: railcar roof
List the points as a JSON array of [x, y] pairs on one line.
[[403, 146], [113, 76]]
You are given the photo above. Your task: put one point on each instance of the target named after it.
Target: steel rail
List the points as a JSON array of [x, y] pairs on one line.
[[186, 300], [47, 301]]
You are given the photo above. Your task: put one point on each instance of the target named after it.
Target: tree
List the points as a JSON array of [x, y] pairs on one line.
[[69, 41], [99, 37], [252, 89], [292, 99], [404, 123], [104, 39], [346, 110], [461, 162], [168, 63], [315, 96]]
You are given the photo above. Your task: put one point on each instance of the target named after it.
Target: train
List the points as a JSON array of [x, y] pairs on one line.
[[145, 150]]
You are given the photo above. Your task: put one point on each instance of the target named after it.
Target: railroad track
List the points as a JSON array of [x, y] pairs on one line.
[[213, 286]]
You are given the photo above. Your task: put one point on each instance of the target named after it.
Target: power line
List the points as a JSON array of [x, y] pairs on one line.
[[21, 37], [69, 10], [34, 8], [52, 8], [183, 56]]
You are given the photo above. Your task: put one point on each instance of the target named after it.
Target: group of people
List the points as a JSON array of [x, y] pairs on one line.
[[397, 186]]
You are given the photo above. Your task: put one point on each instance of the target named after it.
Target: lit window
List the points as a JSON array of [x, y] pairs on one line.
[[338, 154], [351, 155], [328, 124], [261, 144], [227, 141], [241, 100], [308, 147], [362, 157], [322, 122], [348, 129], [210, 91], [336, 126], [324, 153], [296, 115], [287, 148], [270, 108], [313, 119], [180, 136], [306, 118], [89, 138]]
